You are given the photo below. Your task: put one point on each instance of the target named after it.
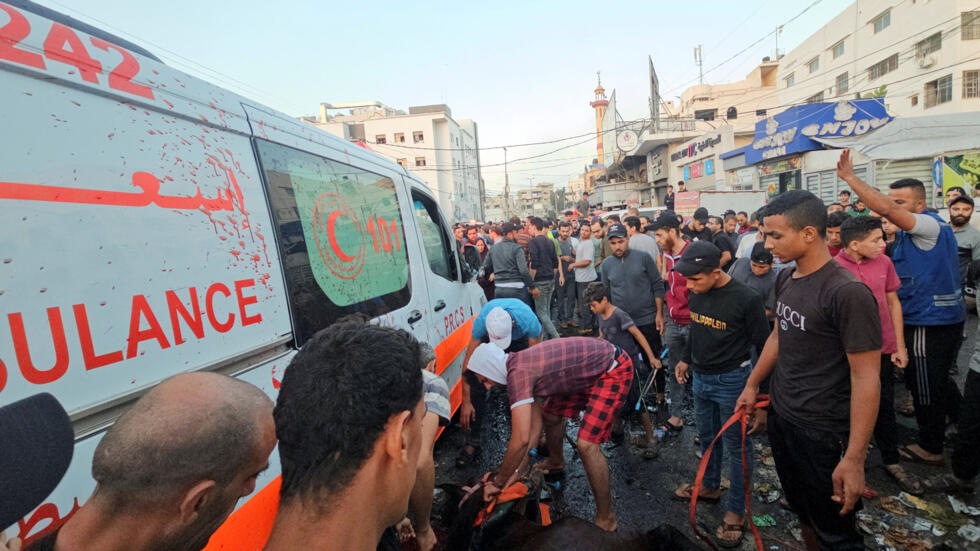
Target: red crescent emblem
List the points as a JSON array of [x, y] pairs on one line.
[[332, 236], [338, 261]]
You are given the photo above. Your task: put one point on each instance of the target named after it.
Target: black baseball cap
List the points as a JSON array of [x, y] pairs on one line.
[[698, 256], [616, 230], [760, 254], [38, 443], [962, 199], [701, 215], [667, 219], [507, 227]]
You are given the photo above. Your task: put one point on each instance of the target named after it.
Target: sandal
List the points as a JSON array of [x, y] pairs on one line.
[[907, 408], [464, 458], [649, 447], [685, 491], [906, 480], [910, 455], [670, 428], [726, 528]]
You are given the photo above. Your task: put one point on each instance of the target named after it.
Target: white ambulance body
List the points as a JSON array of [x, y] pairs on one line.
[[153, 224]]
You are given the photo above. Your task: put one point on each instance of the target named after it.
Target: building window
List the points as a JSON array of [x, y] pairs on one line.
[[732, 114], [914, 100], [971, 84], [970, 25], [883, 67], [380, 138], [418, 136], [790, 80], [420, 161], [838, 49], [815, 98], [813, 65], [939, 91], [882, 22], [929, 44], [403, 162], [399, 137], [843, 84], [705, 114]]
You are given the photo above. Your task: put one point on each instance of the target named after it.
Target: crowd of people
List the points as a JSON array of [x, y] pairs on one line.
[[604, 322], [822, 307]]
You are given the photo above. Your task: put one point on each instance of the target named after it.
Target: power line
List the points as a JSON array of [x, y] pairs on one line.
[[745, 49]]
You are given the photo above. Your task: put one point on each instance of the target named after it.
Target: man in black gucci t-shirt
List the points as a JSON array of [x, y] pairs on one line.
[[824, 357]]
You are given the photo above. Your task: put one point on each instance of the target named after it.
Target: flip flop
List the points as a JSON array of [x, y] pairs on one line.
[[725, 527], [907, 453], [669, 428], [686, 491]]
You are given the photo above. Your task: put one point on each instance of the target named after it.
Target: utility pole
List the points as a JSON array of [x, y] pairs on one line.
[[506, 188], [699, 60]]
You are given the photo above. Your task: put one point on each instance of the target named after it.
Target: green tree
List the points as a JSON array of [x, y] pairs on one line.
[[878, 92]]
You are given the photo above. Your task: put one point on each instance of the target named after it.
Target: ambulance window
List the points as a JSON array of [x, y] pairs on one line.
[[435, 237], [341, 236]]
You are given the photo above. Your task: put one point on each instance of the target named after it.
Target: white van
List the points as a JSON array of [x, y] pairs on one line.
[[153, 224]]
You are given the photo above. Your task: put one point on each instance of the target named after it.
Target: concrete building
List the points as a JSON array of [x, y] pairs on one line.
[[442, 151], [923, 53], [920, 58], [536, 201], [495, 208], [685, 137]]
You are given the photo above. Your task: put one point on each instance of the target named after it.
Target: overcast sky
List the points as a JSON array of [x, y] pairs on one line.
[[524, 71]]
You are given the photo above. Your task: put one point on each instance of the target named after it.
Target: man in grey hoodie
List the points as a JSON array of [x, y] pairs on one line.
[[635, 285]]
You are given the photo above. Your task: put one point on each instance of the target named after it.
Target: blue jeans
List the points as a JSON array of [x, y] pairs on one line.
[[566, 298], [542, 305], [674, 338], [714, 403]]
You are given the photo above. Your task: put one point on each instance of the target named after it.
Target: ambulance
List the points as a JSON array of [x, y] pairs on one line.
[[153, 224]]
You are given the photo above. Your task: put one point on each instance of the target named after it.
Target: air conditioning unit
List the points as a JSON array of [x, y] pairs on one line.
[[926, 61]]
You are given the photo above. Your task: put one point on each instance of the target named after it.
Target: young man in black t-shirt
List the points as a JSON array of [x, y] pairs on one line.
[[727, 319], [824, 357]]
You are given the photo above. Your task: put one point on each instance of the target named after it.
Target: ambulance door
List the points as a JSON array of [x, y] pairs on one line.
[[449, 311]]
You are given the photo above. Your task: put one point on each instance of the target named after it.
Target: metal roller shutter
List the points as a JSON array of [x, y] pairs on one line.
[[887, 172]]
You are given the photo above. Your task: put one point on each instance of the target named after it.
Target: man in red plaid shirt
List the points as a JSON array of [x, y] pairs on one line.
[[554, 380]]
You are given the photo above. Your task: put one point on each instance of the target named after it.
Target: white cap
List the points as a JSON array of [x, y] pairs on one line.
[[491, 362], [499, 327]]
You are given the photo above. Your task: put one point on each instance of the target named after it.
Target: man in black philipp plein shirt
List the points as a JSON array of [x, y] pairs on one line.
[[727, 319]]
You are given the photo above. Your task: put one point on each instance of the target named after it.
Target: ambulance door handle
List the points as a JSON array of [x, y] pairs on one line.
[[439, 305], [414, 317]]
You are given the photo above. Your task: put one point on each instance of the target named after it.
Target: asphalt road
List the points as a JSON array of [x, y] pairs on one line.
[[642, 489]]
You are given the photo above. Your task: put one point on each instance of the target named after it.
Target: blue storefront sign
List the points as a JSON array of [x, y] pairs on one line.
[[793, 130]]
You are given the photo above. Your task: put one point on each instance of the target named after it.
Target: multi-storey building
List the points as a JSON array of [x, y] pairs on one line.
[[924, 56], [427, 140]]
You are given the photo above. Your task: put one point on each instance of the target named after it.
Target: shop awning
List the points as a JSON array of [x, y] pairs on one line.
[[916, 137]]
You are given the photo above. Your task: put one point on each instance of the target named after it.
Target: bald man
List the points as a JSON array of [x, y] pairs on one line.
[[172, 468]]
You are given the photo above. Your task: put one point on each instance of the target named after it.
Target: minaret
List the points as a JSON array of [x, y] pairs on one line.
[[599, 105]]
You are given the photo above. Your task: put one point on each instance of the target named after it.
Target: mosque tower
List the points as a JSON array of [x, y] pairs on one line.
[[599, 104]]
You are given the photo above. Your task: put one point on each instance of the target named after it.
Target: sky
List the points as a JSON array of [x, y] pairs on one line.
[[524, 71]]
